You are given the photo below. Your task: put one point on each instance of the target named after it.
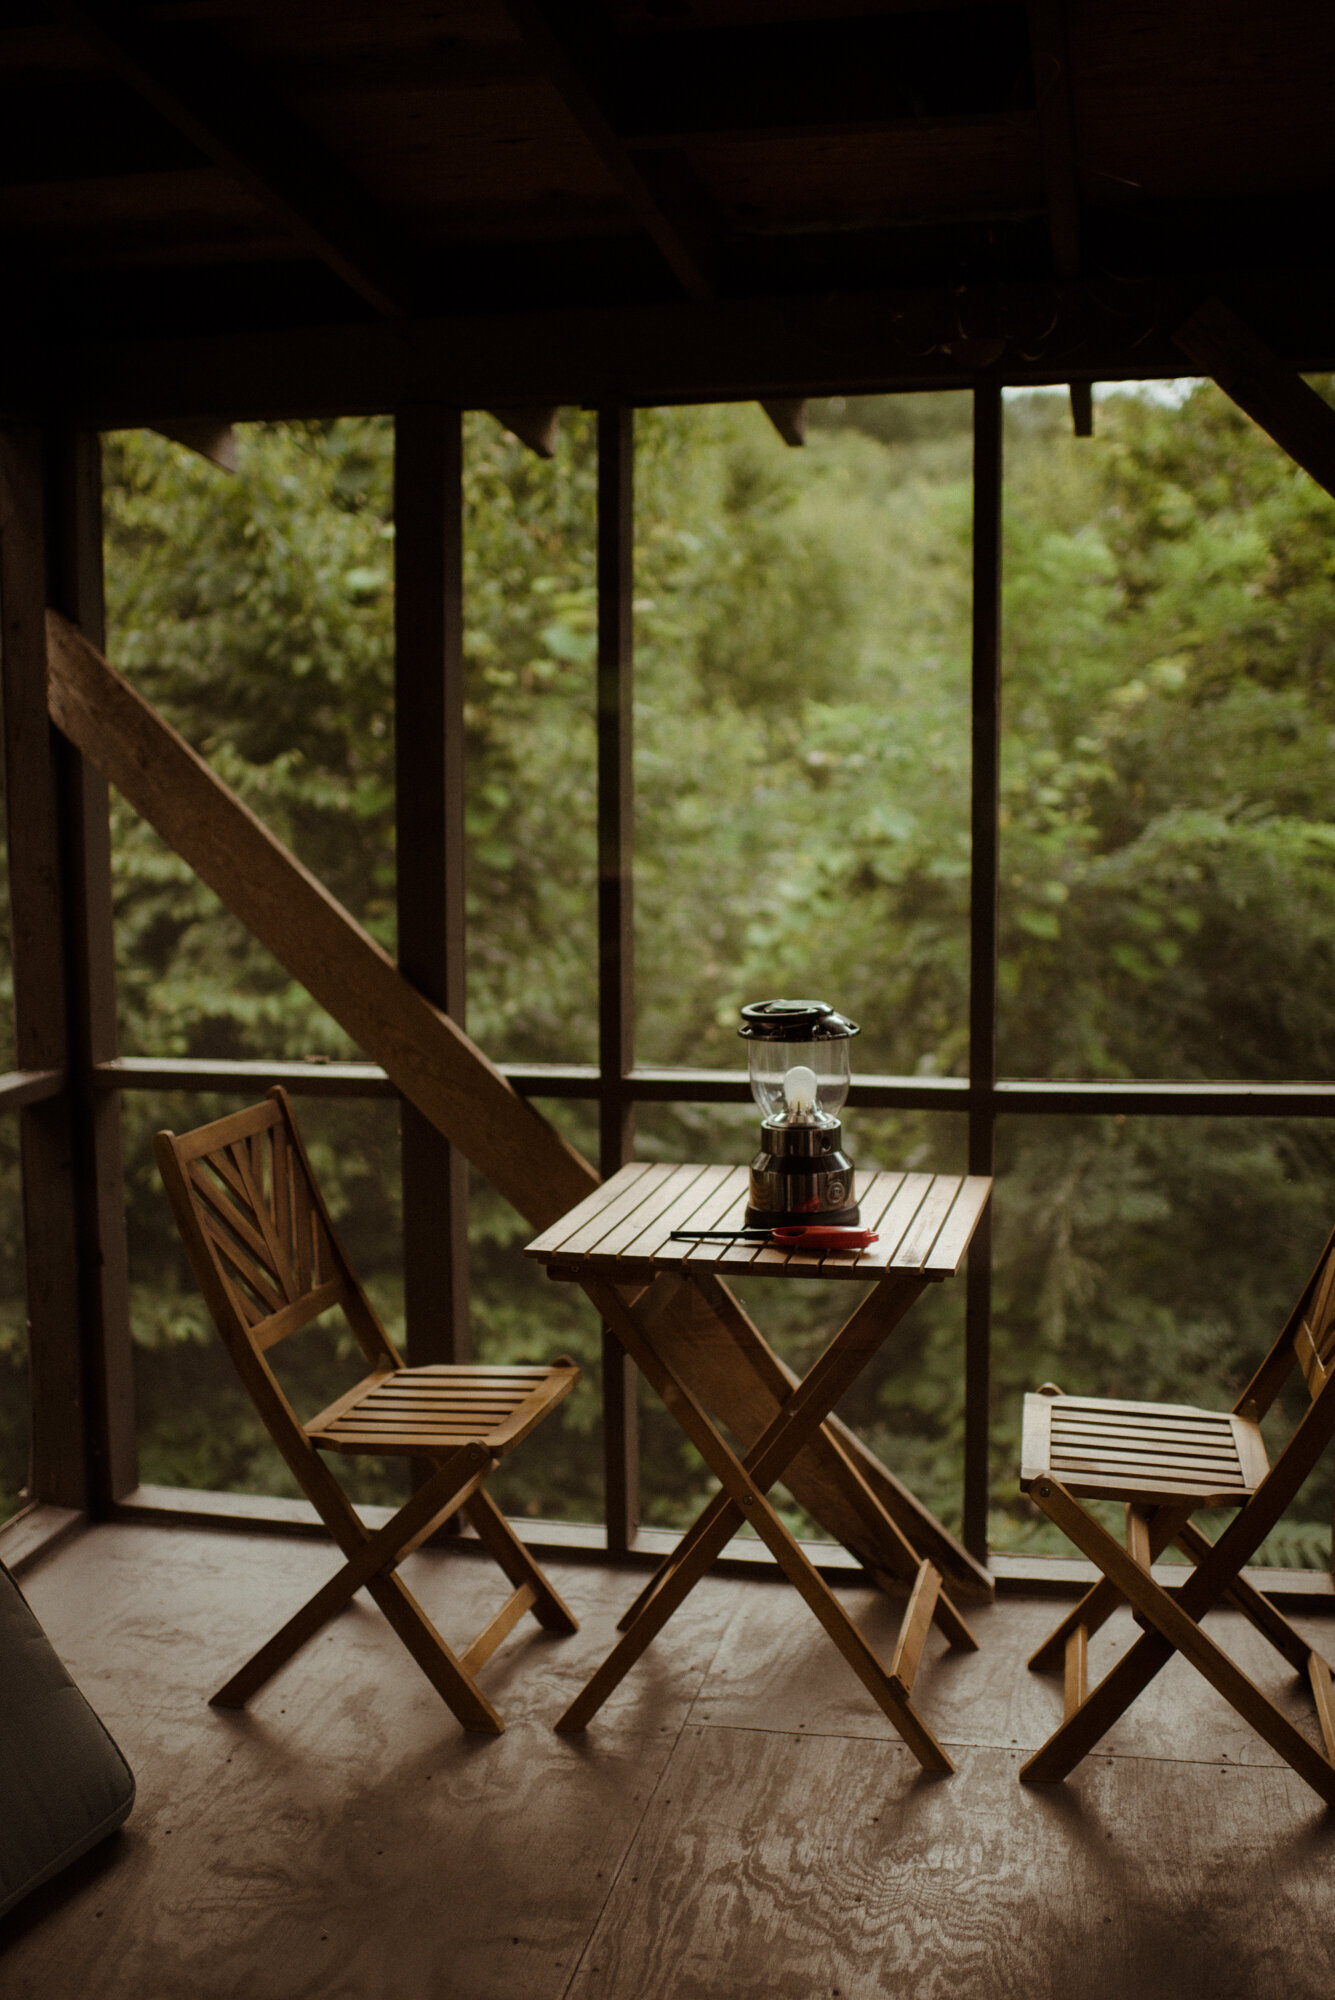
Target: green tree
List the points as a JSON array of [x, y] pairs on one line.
[[802, 728]]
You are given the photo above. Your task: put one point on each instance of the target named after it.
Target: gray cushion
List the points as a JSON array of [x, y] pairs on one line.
[[63, 1783]]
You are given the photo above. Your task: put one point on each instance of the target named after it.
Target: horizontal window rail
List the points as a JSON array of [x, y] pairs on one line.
[[310, 1078], [29, 1086], [1009, 1097]]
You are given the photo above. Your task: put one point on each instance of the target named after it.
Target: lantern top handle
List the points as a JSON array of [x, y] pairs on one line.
[[795, 1021]]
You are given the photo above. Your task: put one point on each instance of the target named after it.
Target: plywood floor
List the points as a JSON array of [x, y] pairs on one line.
[[738, 1822]]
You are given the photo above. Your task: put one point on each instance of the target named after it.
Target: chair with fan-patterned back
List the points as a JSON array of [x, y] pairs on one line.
[[1164, 1461], [269, 1264]]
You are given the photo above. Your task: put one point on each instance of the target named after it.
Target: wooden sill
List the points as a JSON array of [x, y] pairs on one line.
[[38, 1531]]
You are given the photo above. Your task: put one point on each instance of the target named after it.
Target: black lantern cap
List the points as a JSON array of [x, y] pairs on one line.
[[795, 1021]]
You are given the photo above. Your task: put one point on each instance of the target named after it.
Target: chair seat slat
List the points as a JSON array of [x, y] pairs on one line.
[[1156, 1441], [402, 1411], [1170, 1451], [1152, 1412], [386, 1421], [447, 1399], [465, 1371], [1109, 1482], [445, 1424], [404, 1388], [1142, 1426], [1180, 1471], [1093, 1484], [469, 1385], [1070, 1448]]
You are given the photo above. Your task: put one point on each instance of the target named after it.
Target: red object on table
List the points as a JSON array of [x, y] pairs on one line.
[[815, 1236]]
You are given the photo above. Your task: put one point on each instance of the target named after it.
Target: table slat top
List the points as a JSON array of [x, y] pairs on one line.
[[623, 1229]]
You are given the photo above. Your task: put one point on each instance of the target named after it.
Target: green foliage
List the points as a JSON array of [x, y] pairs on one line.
[[803, 753], [1168, 898]]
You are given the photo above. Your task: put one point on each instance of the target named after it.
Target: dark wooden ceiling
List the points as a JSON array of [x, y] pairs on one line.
[[224, 167]]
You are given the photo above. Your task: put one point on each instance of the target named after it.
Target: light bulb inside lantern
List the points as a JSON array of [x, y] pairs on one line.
[[799, 1095]]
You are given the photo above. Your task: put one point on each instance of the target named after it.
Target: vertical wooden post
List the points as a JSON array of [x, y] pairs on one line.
[[429, 822], [83, 1446], [75, 586], [59, 1462], [986, 785], [616, 932]]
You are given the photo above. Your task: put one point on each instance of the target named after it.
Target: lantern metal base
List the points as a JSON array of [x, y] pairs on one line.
[[791, 1218], [801, 1175]]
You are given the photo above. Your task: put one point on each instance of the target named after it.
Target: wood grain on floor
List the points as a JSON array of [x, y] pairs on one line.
[[739, 1819], [792, 1868]]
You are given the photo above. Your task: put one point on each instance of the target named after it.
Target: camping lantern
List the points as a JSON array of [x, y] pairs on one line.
[[797, 1054]]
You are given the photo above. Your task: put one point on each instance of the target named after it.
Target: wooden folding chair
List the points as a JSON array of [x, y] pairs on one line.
[[267, 1260], [1164, 1461]]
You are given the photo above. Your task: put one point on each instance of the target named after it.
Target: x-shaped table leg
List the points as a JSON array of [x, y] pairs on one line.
[[745, 1484]]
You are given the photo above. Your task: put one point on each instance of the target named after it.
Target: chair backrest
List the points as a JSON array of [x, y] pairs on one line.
[[1314, 1337], [258, 1235], [1308, 1338]]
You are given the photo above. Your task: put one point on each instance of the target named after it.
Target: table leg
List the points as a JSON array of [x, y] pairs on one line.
[[858, 1500], [653, 1615], [745, 1485], [802, 1416]]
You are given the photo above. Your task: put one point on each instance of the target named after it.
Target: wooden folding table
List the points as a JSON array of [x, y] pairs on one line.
[[618, 1245]]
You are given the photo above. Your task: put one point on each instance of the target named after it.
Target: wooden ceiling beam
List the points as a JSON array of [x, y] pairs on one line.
[[849, 72], [534, 426], [723, 350], [1050, 53], [224, 109], [788, 414], [659, 187], [1049, 47], [1082, 409], [560, 37], [1274, 395], [205, 436]]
